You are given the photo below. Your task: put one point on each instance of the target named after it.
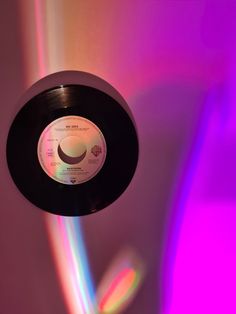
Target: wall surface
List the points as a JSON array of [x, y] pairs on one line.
[[174, 64]]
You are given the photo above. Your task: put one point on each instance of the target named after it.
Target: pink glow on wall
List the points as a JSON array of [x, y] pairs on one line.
[[40, 38]]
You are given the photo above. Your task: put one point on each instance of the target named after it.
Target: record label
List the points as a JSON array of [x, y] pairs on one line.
[[71, 150]]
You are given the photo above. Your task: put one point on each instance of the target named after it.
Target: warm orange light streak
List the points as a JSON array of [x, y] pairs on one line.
[[55, 39], [60, 35]]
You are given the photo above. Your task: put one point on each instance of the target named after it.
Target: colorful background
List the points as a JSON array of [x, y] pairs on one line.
[[167, 245]]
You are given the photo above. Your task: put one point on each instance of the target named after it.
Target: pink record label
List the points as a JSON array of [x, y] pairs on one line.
[[71, 150]]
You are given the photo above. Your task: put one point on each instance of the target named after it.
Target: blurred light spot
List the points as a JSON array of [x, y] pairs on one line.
[[120, 283]]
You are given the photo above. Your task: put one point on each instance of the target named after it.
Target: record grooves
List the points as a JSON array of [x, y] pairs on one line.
[[72, 150]]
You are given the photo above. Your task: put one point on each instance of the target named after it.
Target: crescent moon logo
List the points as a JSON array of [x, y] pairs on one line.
[[68, 159], [72, 150]]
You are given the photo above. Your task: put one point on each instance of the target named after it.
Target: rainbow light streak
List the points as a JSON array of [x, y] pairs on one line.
[[71, 262], [120, 283]]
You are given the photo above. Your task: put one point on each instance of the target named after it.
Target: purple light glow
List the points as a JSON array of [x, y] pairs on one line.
[[203, 244]]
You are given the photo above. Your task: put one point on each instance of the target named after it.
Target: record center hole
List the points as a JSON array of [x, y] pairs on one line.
[[72, 150]]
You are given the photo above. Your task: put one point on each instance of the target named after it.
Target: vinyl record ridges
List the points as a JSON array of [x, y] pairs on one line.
[[72, 150]]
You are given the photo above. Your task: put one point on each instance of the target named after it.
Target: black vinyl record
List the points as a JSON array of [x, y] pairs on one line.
[[72, 150]]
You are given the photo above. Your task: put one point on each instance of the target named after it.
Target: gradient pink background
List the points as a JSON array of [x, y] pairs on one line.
[[174, 63]]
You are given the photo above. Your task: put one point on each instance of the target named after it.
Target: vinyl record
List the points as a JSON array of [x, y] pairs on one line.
[[72, 150]]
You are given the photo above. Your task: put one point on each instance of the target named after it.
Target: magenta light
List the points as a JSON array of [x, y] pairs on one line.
[[204, 272], [201, 274]]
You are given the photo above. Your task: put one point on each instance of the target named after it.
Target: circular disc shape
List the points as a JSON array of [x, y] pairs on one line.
[[72, 150]]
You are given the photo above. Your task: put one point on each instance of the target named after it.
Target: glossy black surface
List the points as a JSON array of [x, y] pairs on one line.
[[111, 180]]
